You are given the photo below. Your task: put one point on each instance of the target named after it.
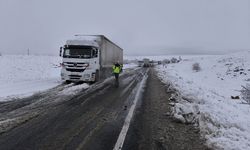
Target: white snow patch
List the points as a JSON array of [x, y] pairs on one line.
[[7, 120], [206, 96], [129, 66]]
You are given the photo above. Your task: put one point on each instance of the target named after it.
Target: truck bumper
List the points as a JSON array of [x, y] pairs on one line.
[[85, 76]]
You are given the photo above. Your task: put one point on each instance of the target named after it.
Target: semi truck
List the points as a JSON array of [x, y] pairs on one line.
[[89, 58], [146, 62]]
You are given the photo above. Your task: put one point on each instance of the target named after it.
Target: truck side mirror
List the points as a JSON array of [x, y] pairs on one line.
[[60, 51]]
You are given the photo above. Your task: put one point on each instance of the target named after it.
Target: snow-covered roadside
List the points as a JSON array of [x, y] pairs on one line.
[[204, 97], [24, 75], [72, 89]]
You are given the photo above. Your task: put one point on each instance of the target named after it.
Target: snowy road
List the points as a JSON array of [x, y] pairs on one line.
[[93, 118]]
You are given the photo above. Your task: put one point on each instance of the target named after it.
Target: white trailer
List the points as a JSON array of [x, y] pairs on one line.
[[89, 58]]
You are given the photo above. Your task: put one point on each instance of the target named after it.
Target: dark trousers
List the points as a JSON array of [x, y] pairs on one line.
[[116, 76], [116, 79]]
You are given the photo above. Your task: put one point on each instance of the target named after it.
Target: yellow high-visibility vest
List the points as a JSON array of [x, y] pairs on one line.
[[116, 69]]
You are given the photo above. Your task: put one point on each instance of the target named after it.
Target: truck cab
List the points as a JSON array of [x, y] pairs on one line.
[[80, 61], [89, 58]]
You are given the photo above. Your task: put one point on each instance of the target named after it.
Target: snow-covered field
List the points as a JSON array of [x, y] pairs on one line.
[[23, 75], [205, 97], [130, 65]]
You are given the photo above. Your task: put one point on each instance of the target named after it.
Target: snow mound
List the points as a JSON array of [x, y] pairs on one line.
[[205, 97]]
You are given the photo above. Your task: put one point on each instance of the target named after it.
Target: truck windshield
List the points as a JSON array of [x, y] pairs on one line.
[[79, 52]]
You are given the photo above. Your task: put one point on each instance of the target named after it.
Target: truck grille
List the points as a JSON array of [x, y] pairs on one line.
[[75, 70], [77, 65]]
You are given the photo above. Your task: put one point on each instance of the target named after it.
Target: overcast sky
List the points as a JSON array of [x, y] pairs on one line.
[[140, 27]]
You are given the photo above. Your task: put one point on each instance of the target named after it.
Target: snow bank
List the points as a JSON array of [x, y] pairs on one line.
[[72, 89], [204, 97], [24, 75]]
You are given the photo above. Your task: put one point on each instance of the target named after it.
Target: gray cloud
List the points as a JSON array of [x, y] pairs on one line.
[[140, 27]]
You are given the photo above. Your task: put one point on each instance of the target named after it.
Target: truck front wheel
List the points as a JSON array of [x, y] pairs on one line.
[[97, 76], [68, 82]]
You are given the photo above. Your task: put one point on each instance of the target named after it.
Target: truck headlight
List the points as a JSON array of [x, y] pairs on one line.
[[86, 75]]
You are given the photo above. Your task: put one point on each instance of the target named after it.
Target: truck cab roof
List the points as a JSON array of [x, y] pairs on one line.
[[82, 42]]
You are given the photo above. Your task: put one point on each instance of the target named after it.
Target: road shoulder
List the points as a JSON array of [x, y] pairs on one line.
[[153, 128]]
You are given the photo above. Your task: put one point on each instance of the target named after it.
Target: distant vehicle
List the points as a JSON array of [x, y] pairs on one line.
[[89, 58], [146, 62], [174, 60], [152, 63], [166, 61], [140, 63]]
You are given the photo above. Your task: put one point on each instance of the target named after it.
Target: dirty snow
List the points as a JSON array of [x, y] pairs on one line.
[[74, 89], [204, 97]]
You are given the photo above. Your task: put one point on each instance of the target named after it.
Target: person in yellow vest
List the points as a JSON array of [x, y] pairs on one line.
[[117, 68]]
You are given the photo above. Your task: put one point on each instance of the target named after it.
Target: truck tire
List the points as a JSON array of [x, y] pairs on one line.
[[68, 82], [97, 76]]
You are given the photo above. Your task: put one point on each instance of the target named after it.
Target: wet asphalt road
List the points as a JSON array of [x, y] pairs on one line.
[[92, 119], [153, 129]]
